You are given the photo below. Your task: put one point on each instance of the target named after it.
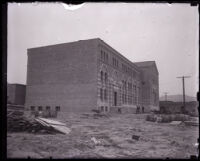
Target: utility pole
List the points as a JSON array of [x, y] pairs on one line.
[[183, 82], [165, 96]]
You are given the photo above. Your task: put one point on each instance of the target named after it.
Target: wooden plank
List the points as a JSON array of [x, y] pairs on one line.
[[42, 122], [52, 122], [175, 122], [62, 129]]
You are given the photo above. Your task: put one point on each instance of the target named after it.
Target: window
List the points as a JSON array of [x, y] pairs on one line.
[[106, 77], [102, 108], [47, 107], [57, 108], [115, 62], [125, 85], [105, 94], [101, 76], [106, 57], [40, 108], [106, 108], [32, 108], [101, 55], [101, 94]]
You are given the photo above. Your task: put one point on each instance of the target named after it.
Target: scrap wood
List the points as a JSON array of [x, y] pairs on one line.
[[42, 122], [175, 122], [62, 129], [57, 125], [52, 122]]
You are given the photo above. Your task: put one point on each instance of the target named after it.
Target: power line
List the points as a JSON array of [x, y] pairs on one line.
[[183, 82]]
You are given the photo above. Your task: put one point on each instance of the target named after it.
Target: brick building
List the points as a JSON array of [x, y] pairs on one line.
[[89, 74]]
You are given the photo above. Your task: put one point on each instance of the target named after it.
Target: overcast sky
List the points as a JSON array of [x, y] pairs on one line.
[[165, 33]]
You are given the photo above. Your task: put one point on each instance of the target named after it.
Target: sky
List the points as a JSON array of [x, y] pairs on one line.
[[165, 33]]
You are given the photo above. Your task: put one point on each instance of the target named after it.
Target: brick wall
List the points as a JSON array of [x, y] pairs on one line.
[[148, 86], [62, 75]]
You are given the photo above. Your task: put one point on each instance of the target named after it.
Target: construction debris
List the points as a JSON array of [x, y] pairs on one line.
[[135, 137], [18, 122], [57, 125], [96, 142], [176, 122], [191, 123]]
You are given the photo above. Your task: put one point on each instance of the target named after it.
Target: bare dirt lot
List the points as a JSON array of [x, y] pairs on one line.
[[114, 137]]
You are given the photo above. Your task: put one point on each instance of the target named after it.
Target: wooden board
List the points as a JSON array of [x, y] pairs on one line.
[[52, 122], [62, 129]]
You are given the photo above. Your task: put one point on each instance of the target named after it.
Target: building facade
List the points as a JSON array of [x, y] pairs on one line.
[[89, 74]]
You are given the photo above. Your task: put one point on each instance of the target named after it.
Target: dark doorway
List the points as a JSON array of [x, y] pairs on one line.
[[115, 98]]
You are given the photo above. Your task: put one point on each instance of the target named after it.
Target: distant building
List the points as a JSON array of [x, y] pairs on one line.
[[16, 94], [89, 74]]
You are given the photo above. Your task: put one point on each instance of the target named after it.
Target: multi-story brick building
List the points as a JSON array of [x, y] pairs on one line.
[[89, 74]]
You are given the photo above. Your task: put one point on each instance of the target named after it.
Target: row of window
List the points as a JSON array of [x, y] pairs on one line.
[[128, 99], [40, 108], [128, 70], [104, 77], [130, 86], [103, 94], [115, 63]]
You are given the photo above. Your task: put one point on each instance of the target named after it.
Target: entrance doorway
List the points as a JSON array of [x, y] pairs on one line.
[[115, 98]]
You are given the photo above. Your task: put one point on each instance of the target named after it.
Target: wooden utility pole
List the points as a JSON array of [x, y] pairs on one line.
[[183, 82], [165, 96]]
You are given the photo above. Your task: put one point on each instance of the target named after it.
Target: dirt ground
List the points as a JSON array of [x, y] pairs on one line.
[[114, 134]]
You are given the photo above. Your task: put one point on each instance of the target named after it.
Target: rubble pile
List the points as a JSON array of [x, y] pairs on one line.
[[18, 122]]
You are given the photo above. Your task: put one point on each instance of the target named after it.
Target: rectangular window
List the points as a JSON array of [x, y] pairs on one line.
[[106, 57], [57, 108], [47, 107], [105, 94], [102, 108], [101, 55], [40, 108], [106, 108], [101, 76], [101, 94], [32, 108], [106, 77]]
